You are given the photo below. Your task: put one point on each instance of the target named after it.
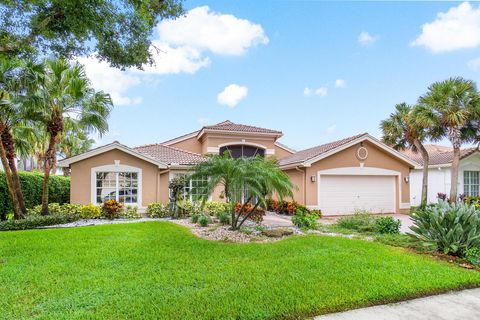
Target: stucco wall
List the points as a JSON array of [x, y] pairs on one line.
[[80, 191], [190, 144], [347, 158], [298, 180]]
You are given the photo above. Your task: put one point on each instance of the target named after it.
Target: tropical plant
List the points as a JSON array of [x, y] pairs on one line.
[[16, 79], [452, 105], [158, 210], [111, 208], [65, 93], [303, 218], [387, 225], [451, 228], [402, 130], [243, 180]]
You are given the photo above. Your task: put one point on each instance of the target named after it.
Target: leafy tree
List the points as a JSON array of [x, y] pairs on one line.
[[66, 93], [259, 177], [16, 79], [453, 104], [118, 31], [401, 130]]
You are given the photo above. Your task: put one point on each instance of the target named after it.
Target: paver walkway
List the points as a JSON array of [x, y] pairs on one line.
[[450, 306]]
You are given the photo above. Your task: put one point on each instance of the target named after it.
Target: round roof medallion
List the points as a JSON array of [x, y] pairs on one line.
[[362, 153]]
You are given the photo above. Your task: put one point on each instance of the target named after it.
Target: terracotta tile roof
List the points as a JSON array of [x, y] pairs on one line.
[[230, 126], [170, 155], [307, 154], [439, 155]]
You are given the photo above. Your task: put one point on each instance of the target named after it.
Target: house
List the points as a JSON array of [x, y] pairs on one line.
[[358, 172], [439, 169]]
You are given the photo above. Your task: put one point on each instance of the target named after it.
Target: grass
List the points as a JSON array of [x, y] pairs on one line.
[[160, 270]]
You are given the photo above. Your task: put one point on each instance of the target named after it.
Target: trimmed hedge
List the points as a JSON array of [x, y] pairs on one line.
[[31, 222], [59, 190]]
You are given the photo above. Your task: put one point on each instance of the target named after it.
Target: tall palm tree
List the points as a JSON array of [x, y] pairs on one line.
[[259, 176], [15, 82], [67, 93], [454, 104], [401, 130]]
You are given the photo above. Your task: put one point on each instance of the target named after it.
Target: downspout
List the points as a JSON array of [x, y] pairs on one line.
[[304, 184]]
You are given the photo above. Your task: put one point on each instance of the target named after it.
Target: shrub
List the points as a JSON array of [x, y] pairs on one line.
[[361, 221], [203, 220], [387, 225], [185, 207], [303, 218], [451, 228], [224, 218], [472, 201], [158, 210], [194, 218], [31, 182], [55, 208], [215, 208], [91, 211], [131, 212], [34, 221], [111, 208], [472, 255], [256, 216]]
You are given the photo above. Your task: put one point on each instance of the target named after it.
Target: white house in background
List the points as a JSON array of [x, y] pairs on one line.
[[439, 173]]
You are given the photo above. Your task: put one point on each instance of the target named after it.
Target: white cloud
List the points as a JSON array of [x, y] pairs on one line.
[[111, 80], [458, 28], [340, 83], [331, 129], [231, 95], [219, 33], [307, 92], [474, 64], [322, 91], [365, 38], [170, 60]]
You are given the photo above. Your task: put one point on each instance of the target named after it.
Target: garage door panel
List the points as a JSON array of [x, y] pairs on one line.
[[341, 194]]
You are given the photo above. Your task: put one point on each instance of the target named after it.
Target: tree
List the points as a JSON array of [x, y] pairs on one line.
[[243, 180], [15, 81], [66, 93], [74, 141], [118, 31], [402, 130], [454, 104]]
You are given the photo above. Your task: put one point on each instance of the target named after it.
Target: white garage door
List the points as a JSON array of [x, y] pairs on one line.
[[342, 194]]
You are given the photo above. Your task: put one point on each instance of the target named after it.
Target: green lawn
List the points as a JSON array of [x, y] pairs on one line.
[[160, 270]]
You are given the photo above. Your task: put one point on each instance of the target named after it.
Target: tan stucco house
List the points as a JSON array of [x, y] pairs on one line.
[[358, 172]]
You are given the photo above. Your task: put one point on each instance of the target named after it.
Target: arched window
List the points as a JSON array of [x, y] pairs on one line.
[[241, 150]]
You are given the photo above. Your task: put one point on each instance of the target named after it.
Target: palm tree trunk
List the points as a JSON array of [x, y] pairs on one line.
[[8, 177], [54, 164], [454, 174], [7, 141], [426, 160], [46, 173]]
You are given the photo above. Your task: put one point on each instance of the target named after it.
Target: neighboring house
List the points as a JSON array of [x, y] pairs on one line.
[[440, 164], [340, 177]]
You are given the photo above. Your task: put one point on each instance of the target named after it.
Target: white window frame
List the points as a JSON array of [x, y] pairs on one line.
[[173, 175], [467, 187], [116, 168]]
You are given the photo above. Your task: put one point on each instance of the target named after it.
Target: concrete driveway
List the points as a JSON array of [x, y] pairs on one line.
[[455, 305]]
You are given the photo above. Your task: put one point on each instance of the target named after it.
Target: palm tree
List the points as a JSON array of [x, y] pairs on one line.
[[259, 176], [454, 104], [66, 93], [15, 81], [402, 130], [75, 141]]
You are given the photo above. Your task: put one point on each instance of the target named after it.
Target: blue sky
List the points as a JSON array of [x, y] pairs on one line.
[[271, 51]]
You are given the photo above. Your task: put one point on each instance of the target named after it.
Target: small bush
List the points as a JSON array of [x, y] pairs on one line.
[[203, 220], [111, 209], [256, 216], [131, 212], [215, 208], [303, 218], [194, 218], [184, 208], [361, 221], [224, 218], [387, 225], [472, 255], [91, 211], [56, 209], [35, 221], [158, 210], [451, 228]]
